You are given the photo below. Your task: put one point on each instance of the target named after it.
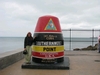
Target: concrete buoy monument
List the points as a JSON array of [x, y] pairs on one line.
[[48, 48]]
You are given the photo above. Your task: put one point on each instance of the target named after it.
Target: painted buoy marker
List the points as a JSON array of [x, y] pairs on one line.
[[49, 45]]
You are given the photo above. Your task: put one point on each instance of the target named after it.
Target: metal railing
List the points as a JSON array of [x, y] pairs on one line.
[[81, 35]]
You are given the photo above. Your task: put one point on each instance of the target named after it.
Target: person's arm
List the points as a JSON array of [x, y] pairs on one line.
[[98, 40], [25, 43], [34, 39]]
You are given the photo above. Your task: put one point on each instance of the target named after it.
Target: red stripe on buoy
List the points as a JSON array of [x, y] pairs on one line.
[[48, 55]]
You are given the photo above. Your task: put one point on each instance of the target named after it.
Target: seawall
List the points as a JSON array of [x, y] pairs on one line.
[[8, 58]]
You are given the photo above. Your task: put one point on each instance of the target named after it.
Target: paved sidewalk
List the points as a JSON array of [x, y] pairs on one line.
[[81, 63]]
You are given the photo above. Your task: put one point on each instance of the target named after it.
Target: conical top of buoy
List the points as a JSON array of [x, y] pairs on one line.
[[48, 23]]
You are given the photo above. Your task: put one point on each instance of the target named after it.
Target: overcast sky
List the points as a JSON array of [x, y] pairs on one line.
[[17, 17]]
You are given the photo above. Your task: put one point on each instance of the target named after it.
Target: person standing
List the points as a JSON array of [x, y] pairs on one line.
[[27, 46], [99, 44]]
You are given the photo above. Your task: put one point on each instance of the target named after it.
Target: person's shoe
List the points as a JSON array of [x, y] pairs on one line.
[[98, 51], [28, 62]]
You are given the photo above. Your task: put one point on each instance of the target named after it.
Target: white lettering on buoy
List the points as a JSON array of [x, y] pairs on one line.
[[48, 43]]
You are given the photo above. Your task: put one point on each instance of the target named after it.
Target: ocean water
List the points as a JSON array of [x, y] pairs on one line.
[[10, 43], [14, 43], [72, 43]]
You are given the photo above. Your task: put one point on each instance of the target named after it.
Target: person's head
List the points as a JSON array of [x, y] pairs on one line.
[[29, 34]]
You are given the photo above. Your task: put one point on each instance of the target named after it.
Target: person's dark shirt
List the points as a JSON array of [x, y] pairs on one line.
[[28, 41]]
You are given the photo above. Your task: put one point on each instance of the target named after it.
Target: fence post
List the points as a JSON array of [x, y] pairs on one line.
[[92, 38], [70, 40]]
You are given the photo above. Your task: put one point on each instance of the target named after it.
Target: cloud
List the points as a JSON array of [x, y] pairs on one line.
[[17, 17], [20, 11]]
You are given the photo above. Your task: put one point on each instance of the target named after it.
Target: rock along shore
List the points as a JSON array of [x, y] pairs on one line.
[[88, 48]]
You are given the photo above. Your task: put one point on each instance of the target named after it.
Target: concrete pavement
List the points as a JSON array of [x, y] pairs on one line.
[[81, 63]]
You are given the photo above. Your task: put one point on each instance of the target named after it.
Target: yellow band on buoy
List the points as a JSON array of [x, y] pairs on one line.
[[48, 48]]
